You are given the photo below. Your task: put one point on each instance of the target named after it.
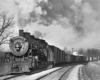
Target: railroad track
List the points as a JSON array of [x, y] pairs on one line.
[[60, 72], [45, 74], [59, 76]]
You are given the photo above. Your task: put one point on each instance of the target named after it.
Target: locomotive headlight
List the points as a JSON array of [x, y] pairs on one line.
[[18, 45]]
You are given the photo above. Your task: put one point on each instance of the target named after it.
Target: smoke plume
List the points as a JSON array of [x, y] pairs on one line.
[[63, 23]]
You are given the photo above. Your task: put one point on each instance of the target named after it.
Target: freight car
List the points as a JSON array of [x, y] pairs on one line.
[[62, 57], [28, 52]]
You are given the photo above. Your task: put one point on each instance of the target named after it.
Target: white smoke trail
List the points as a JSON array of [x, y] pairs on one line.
[[63, 23], [65, 34]]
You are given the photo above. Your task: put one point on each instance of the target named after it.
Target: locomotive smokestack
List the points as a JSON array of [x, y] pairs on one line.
[[21, 33]]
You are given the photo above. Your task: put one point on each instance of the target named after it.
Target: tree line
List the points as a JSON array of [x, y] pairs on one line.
[[93, 53]]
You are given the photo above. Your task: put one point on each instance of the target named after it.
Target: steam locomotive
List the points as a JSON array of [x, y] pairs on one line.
[[28, 52]]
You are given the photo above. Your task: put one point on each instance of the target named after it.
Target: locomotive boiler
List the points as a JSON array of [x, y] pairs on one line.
[[27, 54]]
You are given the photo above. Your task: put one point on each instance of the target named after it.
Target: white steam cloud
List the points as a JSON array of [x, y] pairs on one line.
[[71, 23], [63, 23]]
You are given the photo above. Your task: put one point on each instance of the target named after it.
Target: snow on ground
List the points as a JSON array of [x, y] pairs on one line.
[[81, 74], [35, 76], [3, 77], [74, 73]]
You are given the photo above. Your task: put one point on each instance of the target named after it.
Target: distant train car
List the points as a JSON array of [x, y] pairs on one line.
[[61, 57]]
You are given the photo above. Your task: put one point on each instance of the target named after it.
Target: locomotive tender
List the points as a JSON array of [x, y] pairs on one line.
[[28, 52]]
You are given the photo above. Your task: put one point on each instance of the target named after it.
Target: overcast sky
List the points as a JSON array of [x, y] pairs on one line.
[[63, 23]]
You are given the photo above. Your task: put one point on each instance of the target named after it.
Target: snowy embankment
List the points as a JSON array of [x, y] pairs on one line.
[[35, 76], [91, 71], [74, 75]]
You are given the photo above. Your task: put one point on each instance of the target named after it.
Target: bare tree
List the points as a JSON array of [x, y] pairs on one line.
[[6, 22]]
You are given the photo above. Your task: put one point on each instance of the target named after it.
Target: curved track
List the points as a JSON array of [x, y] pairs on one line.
[[57, 73]]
